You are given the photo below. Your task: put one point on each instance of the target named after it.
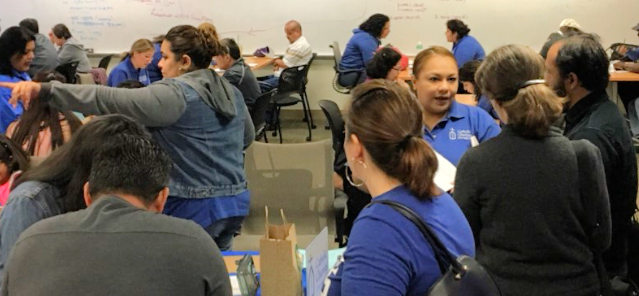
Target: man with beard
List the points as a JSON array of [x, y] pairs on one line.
[[577, 68]]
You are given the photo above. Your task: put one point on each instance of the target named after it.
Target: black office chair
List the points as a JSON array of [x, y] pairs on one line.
[[337, 56], [336, 123], [289, 92], [307, 105], [105, 61], [258, 114], [68, 70]]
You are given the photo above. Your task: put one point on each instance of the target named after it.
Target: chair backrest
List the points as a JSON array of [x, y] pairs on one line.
[[104, 62], [258, 111], [336, 123], [68, 70], [308, 68], [291, 80], [294, 177], [337, 54]]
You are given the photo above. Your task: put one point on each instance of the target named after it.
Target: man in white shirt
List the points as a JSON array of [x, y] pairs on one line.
[[298, 53]]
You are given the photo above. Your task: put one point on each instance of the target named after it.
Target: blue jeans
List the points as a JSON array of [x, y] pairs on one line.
[[223, 231], [268, 83]]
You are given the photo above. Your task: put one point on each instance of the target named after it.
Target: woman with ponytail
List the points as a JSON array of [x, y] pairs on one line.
[[199, 118], [537, 203], [387, 254]]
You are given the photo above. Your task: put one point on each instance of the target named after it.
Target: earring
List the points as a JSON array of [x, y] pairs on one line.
[[348, 178]]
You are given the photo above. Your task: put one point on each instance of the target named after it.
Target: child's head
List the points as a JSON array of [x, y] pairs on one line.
[[12, 159]]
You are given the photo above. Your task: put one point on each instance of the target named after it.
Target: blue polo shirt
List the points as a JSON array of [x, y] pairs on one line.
[[125, 71], [633, 54], [451, 135], [467, 49], [8, 113]]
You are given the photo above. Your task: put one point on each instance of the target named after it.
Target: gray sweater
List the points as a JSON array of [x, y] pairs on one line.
[[72, 51], [522, 199], [114, 248]]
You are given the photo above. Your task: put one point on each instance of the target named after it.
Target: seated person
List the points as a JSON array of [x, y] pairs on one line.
[[465, 47], [46, 57], [386, 64], [42, 128], [55, 186], [121, 244], [387, 254], [133, 66], [153, 69], [298, 53], [13, 161], [361, 48], [567, 28], [70, 50], [467, 78], [448, 126], [236, 71], [18, 46], [629, 90]]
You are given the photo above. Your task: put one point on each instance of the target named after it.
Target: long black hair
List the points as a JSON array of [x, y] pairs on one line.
[[68, 167], [12, 155], [457, 26], [374, 25], [13, 41], [40, 115]]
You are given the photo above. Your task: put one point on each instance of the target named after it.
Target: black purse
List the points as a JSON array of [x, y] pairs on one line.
[[461, 276]]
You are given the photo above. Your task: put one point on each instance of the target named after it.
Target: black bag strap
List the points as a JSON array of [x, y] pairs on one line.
[[444, 258]]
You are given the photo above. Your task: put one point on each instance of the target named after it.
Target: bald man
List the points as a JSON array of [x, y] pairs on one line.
[[298, 53]]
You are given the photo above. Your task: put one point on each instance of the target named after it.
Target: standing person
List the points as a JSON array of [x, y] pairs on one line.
[[361, 48], [154, 71], [70, 50], [298, 53], [120, 244], [133, 65], [199, 118], [465, 47], [537, 202], [448, 125], [236, 71], [567, 28], [577, 68], [46, 58], [43, 128], [17, 51], [387, 254]]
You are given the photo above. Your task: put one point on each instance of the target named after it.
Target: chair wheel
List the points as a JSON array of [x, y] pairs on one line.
[[313, 126], [308, 139], [274, 134], [327, 127]]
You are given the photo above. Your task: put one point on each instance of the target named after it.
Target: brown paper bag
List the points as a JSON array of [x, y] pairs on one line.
[[281, 266]]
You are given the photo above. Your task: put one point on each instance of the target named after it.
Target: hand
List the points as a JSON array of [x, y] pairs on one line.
[[619, 65], [622, 49], [22, 91], [338, 182]]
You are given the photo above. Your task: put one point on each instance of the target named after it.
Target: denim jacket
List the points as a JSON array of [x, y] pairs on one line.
[[199, 118], [28, 203]]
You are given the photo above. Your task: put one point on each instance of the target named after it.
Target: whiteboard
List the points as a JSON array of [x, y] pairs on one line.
[[111, 26]]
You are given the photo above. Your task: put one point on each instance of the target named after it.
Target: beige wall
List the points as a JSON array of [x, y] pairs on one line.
[[320, 79]]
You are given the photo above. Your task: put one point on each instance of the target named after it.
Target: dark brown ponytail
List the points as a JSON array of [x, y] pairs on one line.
[[387, 119]]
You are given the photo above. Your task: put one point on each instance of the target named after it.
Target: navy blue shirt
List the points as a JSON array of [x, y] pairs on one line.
[[206, 211], [155, 73], [467, 49], [125, 71], [451, 135], [388, 255]]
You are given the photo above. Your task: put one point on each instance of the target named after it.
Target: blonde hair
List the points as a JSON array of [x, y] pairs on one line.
[[209, 29], [426, 54], [140, 45], [387, 119], [531, 109]]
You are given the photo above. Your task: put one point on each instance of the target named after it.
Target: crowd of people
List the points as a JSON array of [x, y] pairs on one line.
[[151, 184]]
